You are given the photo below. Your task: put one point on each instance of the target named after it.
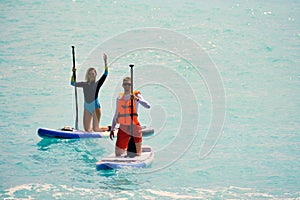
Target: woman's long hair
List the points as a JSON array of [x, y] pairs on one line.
[[87, 73]]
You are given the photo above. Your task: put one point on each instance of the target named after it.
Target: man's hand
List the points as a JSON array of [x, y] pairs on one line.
[[133, 97], [111, 135]]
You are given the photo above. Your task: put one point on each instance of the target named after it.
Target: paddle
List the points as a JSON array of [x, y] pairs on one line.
[[74, 79], [131, 150]]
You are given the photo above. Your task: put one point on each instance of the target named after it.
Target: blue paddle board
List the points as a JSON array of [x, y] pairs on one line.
[[79, 134], [121, 162]]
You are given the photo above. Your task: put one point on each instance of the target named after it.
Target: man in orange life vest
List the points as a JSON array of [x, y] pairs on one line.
[[123, 117]]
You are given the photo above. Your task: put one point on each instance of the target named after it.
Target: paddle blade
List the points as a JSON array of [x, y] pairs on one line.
[[131, 150]]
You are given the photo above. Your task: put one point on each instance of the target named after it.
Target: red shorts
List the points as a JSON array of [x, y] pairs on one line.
[[124, 135]]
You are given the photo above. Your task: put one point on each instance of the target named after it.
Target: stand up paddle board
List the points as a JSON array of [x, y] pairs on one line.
[[119, 162], [78, 134]]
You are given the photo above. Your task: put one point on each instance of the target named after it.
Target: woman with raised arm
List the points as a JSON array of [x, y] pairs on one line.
[[92, 107]]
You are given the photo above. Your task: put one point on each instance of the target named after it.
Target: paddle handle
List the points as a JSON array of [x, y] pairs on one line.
[[131, 76], [73, 55]]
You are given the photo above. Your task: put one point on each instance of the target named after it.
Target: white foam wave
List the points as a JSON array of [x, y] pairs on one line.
[[36, 191]]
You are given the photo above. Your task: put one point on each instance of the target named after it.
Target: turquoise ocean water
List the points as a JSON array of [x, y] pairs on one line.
[[222, 77]]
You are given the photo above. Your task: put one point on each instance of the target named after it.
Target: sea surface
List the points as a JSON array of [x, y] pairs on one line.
[[222, 78]]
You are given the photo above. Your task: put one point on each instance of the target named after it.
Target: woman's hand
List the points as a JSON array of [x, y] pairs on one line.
[[105, 59]]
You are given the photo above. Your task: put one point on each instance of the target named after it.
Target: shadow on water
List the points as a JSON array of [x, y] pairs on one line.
[[87, 151], [107, 173], [118, 179], [45, 143]]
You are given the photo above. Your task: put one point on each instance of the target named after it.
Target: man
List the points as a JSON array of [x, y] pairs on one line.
[[124, 118]]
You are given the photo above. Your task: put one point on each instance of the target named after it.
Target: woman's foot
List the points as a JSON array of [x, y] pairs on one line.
[[101, 129]]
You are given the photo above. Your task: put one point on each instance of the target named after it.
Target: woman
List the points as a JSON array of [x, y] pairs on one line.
[[92, 108]]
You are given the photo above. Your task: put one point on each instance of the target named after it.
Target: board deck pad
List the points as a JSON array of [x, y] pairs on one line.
[[79, 134], [119, 162]]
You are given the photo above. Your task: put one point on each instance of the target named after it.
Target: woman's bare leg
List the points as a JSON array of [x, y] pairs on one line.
[[87, 121], [96, 121]]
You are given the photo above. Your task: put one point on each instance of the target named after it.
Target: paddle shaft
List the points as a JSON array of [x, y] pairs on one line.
[[74, 76], [131, 99], [131, 150]]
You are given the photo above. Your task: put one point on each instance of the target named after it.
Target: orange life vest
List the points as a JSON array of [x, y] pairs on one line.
[[124, 110]]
